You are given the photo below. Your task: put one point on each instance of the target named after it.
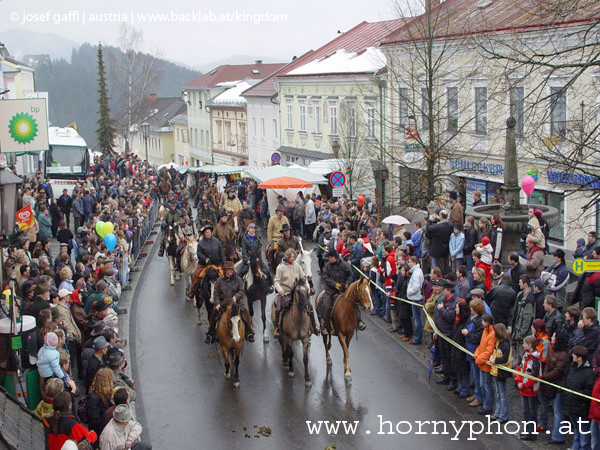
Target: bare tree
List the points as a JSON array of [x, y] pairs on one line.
[[134, 75]]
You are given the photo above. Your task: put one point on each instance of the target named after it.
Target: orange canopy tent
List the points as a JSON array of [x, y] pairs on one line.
[[285, 183]]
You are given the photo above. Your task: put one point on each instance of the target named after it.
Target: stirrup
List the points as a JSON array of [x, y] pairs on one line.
[[276, 333], [362, 326]]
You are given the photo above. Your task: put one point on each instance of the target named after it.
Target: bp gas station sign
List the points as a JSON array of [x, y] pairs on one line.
[[23, 125]]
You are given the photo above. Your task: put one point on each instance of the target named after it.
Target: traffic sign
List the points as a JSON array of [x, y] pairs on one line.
[[276, 158], [337, 192], [337, 179], [579, 266]]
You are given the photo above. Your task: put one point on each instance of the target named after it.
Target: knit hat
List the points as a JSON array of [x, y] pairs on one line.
[[485, 240], [539, 325], [51, 339]]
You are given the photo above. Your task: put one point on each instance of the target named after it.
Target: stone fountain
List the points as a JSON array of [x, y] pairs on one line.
[[513, 213]]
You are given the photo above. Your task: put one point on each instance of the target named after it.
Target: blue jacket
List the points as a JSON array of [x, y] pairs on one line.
[[88, 204], [356, 254], [48, 364], [457, 242], [45, 225], [416, 239]]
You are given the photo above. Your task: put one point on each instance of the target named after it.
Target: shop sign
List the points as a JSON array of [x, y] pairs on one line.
[[588, 181], [476, 167]]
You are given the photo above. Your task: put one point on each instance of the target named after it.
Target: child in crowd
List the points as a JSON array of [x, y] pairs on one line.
[[528, 387]]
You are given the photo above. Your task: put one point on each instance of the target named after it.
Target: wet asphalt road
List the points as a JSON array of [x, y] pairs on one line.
[[184, 402]]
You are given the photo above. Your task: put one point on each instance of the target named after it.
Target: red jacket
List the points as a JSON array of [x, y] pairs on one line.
[[391, 270], [69, 428], [488, 274], [595, 406], [530, 365]]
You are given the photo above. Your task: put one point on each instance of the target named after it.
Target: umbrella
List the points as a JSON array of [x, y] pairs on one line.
[[396, 220], [168, 166], [285, 183]]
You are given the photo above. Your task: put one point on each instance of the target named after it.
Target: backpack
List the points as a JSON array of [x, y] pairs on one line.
[[82, 407]]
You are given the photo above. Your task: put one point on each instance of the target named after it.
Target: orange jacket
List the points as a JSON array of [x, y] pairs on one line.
[[485, 349]]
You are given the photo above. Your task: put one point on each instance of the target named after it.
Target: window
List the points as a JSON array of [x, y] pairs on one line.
[[351, 120], [254, 126], [262, 127], [424, 109], [290, 117], [371, 122], [177, 134], [403, 109], [517, 107], [196, 137], [481, 110], [302, 117], [219, 132], [180, 160], [452, 106], [333, 119], [558, 111], [556, 200], [228, 139], [275, 129], [317, 118]]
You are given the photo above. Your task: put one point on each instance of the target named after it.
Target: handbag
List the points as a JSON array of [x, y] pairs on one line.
[[497, 353]]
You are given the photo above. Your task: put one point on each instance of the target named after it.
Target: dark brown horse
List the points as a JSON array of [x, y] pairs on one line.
[[231, 331], [164, 185], [257, 286], [344, 318]]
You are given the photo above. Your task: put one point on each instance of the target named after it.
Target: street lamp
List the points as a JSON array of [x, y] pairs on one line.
[[145, 133], [335, 147]]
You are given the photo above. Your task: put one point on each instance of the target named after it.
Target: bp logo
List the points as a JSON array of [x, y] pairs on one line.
[[23, 128]]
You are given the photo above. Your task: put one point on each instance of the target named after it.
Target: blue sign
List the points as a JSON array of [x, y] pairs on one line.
[[275, 158], [337, 179], [587, 181], [476, 166]]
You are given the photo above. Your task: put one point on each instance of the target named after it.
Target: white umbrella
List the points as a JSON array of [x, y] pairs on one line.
[[396, 220], [168, 166]]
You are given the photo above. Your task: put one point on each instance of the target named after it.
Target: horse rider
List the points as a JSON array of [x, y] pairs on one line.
[[287, 241], [205, 213], [229, 289], [186, 228], [287, 276], [337, 276], [251, 248], [223, 231], [172, 218], [231, 204], [274, 230], [246, 215]]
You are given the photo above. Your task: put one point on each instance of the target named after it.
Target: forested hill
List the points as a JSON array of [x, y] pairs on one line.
[[73, 90]]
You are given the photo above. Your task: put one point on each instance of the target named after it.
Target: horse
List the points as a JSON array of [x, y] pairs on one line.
[[171, 248], [189, 262], [164, 185], [304, 260], [296, 326], [344, 318], [231, 331], [256, 287], [234, 221], [205, 293], [231, 251]]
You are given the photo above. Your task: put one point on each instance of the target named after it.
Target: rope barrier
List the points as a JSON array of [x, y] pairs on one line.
[[461, 348]]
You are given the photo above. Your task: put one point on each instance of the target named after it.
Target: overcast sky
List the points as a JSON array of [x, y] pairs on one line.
[[306, 24]]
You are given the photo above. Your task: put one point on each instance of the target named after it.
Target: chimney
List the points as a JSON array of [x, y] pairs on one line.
[[258, 61], [152, 96]]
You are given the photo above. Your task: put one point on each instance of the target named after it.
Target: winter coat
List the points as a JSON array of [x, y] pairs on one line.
[[64, 313], [553, 321], [88, 204], [485, 252], [228, 287], [250, 247], [579, 379], [457, 241], [287, 276], [283, 244], [115, 436], [523, 316], [530, 365], [590, 289], [431, 309], [501, 300], [473, 339], [559, 287], [68, 428], [534, 264], [95, 412], [487, 269], [589, 337], [417, 239], [446, 315], [496, 243], [470, 240], [310, 216], [504, 347], [415, 284], [515, 275], [334, 273], [457, 213], [206, 216], [210, 249], [459, 364], [439, 238], [232, 205], [48, 363], [595, 406], [485, 349], [554, 370], [535, 233], [45, 225]]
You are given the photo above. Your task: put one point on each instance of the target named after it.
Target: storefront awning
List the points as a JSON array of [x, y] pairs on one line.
[[219, 170], [268, 173]]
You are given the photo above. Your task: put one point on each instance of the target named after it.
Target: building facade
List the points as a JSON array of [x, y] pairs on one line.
[[181, 141]]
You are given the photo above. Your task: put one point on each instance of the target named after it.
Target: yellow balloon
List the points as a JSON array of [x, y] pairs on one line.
[[108, 228]]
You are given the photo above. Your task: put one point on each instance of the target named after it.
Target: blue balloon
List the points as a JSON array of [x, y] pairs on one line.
[[111, 241]]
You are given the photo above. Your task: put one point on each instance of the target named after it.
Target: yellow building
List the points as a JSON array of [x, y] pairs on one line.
[[181, 136]]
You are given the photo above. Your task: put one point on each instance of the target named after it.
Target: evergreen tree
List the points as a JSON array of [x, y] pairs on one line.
[[105, 131]]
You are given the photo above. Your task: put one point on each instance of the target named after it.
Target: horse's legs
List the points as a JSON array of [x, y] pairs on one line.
[[342, 339], [172, 269], [290, 353], [263, 316], [306, 350], [327, 346], [236, 364], [251, 306], [225, 353]]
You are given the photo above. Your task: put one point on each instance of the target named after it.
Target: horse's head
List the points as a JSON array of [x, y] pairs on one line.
[[233, 321], [305, 263], [192, 247], [212, 274], [361, 292], [256, 267], [301, 292]]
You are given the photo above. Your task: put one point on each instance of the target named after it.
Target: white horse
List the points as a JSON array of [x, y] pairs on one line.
[[189, 262], [304, 260]]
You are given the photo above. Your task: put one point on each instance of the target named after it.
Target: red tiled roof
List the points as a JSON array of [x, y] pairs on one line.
[[356, 39], [230, 72], [455, 18]]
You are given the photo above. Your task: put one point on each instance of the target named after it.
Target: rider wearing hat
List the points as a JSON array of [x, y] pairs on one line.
[[337, 276], [210, 250], [229, 289], [287, 241], [206, 213], [251, 249], [186, 228], [274, 230], [223, 231], [172, 218], [231, 204], [289, 273]]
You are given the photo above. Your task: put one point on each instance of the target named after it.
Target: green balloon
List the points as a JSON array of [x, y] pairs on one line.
[[100, 229]]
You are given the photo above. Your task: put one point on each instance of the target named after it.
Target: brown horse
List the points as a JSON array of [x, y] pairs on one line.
[[344, 318], [164, 185], [231, 331]]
